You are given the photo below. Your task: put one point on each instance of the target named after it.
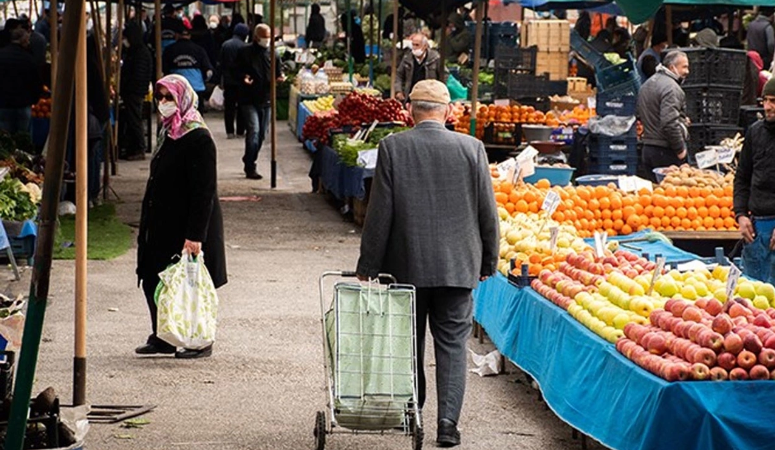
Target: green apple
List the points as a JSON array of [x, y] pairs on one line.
[[689, 292], [676, 275], [721, 295], [668, 287], [746, 289], [620, 320], [767, 290], [761, 302], [702, 289]]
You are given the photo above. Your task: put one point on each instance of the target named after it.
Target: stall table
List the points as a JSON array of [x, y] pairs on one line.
[[302, 115], [342, 181], [703, 243]]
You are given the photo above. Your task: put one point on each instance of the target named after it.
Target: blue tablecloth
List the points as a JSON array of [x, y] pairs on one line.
[[595, 389], [339, 179], [301, 117], [671, 254]]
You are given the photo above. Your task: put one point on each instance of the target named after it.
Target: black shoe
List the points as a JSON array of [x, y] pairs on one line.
[[448, 435], [186, 353], [154, 347], [253, 176]]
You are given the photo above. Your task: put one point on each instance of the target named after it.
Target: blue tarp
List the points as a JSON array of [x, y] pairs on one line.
[[595, 389], [671, 254], [301, 116], [339, 179]]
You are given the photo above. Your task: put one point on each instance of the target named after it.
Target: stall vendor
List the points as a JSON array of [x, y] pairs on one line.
[[754, 193], [423, 63]]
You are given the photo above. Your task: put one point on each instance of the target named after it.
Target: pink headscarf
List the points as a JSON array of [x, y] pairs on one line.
[[186, 118]]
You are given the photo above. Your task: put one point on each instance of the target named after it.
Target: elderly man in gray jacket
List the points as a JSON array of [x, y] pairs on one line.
[[661, 109], [432, 222]]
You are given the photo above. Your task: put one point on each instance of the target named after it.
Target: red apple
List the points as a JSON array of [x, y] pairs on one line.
[[700, 372], [701, 303], [770, 342], [705, 356], [753, 344], [738, 310], [678, 308], [714, 307], [746, 359], [762, 320], [738, 374], [694, 331], [759, 372], [692, 314], [767, 358], [713, 341], [727, 360], [669, 304], [657, 345], [740, 320], [733, 343], [722, 324], [718, 374]]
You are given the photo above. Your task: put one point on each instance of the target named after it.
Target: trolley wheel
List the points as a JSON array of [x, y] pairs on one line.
[[417, 437], [320, 430]]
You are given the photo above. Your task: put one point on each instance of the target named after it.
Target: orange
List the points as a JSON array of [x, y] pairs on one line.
[[607, 214], [588, 214], [628, 201], [608, 223], [628, 211], [676, 202], [719, 223], [682, 191], [616, 201], [583, 193], [659, 200], [626, 229], [598, 214], [601, 191], [705, 192], [696, 223], [521, 206], [638, 209], [725, 212], [559, 216], [655, 222], [543, 183], [605, 203], [665, 221], [533, 207], [659, 190], [699, 201], [729, 222], [670, 191], [714, 212], [711, 200], [633, 221], [681, 212], [675, 221], [501, 198], [686, 224], [725, 202], [694, 192], [728, 190], [691, 213], [708, 222], [514, 197], [583, 224], [688, 202], [643, 220], [510, 207], [618, 224], [649, 210], [702, 212], [670, 212], [529, 196], [593, 204], [641, 228], [718, 192], [535, 258], [644, 200], [506, 187], [658, 211]]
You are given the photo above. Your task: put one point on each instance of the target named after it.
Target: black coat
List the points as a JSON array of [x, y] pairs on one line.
[[20, 83], [181, 202], [254, 60], [137, 67], [316, 29]]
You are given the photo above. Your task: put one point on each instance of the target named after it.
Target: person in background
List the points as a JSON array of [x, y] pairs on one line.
[[230, 81], [661, 109], [423, 176], [189, 60], [43, 25], [171, 27], [754, 193], [20, 83], [761, 35], [212, 22], [422, 63], [201, 36], [370, 25], [316, 28], [706, 38], [658, 45], [223, 31], [354, 33], [254, 75], [639, 37], [620, 41], [755, 79], [38, 44], [181, 15], [583, 25], [136, 76], [459, 41]]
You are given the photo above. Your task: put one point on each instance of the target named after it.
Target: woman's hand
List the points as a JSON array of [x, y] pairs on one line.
[[193, 248]]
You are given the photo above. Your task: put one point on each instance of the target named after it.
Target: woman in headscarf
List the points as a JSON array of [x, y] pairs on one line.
[[180, 210], [755, 79]]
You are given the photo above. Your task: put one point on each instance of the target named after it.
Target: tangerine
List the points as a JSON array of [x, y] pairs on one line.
[[714, 212], [543, 183]]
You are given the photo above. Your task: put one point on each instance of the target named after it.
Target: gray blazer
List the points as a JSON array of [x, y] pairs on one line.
[[431, 220]]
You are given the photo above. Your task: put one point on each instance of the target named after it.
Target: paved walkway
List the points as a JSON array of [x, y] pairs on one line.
[[264, 383]]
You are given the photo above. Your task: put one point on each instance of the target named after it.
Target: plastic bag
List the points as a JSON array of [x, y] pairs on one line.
[[216, 99], [187, 304], [456, 90], [611, 125]]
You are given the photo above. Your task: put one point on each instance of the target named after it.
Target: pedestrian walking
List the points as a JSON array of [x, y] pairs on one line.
[[754, 193], [136, 76], [186, 58], [316, 28], [354, 32], [180, 209], [662, 111], [423, 177], [230, 81], [20, 83], [422, 63], [761, 35], [254, 75]]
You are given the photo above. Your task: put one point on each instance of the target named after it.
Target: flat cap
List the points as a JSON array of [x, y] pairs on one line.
[[432, 91]]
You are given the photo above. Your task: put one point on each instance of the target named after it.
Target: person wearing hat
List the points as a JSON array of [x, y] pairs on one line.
[[230, 82], [422, 63], [754, 193], [432, 222], [189, 60], [171, 26]]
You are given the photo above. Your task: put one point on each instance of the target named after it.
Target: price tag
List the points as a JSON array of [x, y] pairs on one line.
[[626, 183], [554, 232], [726, 155], [506, 167], [706, 159], [600, 238], [551, 201], [502, 102], [526, 161], [734, 275], [657, 273], [517, 174]]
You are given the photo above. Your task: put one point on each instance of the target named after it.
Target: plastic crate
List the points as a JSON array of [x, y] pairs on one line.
[[704, 135], [612, 103], [557, 176], [613, 168], [503, 133], [597, 180], [501, 34], [527, 86], [612, 77], [713, 105], [602, 146], [516, 59], [586, 52], [715, 67]]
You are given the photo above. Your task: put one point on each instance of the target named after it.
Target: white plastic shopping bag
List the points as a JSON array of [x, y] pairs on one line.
[[216, 99], [187, 304]]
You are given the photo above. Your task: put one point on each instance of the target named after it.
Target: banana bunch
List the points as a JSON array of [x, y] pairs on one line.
[[321, 104]]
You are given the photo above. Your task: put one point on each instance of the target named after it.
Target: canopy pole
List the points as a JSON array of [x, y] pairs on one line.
[[379, 32], [117, 112], [394, 51], [273, 91], [669, 24], [81, 216], [348, 5], [41, 275], [443, 37], [54, 37], [15, 9], [157, 29], [109, 154], [477, 59]]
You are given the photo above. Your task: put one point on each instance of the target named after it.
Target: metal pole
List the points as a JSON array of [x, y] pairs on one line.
[[350, 39], [54, 37], [477, 58], [15, 9], [116, 114], [36, 310], [394, 51], [669, 23], [443, 37], [157, 28], [379, 31], [273, 91], [81, 217]]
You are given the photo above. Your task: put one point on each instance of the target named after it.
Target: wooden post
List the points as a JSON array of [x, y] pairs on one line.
[[669, 24], [15, 9], [443, 38], [54, 39], [273, 91], [157, 28], [379, 31], [41, 274], [394, 51], [477, 61], [81, 216], [116, 112]]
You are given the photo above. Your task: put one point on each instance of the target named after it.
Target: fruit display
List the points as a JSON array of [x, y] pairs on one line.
[[42, 109], [321, 104], [360, 108], [487, 114], [340, 87], [317, 126], [735, 143], [689, 176]]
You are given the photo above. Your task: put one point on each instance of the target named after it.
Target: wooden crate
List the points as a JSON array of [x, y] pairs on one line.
[[579, 89], [547, 35], [553, 63]]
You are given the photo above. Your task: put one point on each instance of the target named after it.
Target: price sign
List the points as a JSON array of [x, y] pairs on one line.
[[526, 161], [726, 155], [626, 183], [505, 168], [600, 238], [706, 159], [517, 174], [657, 273], [551, 201], [734, 275], [554, 232]]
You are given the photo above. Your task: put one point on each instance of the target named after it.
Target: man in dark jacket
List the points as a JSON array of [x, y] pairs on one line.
[[254, 75], [459, 38], [354, 33], [230, 81], [136, 75], [316, 28], [422, 63], [424, 176], [190, 61], [761, 35], [20, 83], [754, 193], [661, 109]]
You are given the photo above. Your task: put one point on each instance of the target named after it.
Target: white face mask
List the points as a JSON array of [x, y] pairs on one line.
[[167, 109], [213, 25], [264, 42], [418, 53], [126, 42]]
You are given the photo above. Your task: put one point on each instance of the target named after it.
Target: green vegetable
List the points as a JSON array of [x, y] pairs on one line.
[[382, 82], [378, 134], [348, 149], [15, 203]]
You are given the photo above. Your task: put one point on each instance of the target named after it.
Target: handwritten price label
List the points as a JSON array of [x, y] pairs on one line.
[[726, 155], [734, 276], [554, 232], [657, 273], [706, 159], [551, 201]]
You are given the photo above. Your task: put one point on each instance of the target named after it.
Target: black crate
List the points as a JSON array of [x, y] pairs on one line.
[[715, 106], [611, 103], [502, 133], [527, 86], [749, 115], [602, 146], [715, 67], [516, 59], [587, 52], [701, 136], [613, 77], [606, 166]]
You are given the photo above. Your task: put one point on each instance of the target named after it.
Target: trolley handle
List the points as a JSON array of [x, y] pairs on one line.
[[352, 274]]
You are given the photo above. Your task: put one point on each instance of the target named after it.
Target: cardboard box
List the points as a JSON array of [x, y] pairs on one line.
[[547, 35], [553, 63]]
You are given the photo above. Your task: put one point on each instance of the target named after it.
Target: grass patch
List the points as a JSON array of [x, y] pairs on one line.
[[108, 237]]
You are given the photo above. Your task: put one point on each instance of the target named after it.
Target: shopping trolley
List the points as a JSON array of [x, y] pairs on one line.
[[369, 359]]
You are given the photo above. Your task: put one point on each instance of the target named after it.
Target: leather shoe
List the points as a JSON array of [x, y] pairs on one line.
[[154, 348], [448, 434], [187, 353], [253, 176]]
